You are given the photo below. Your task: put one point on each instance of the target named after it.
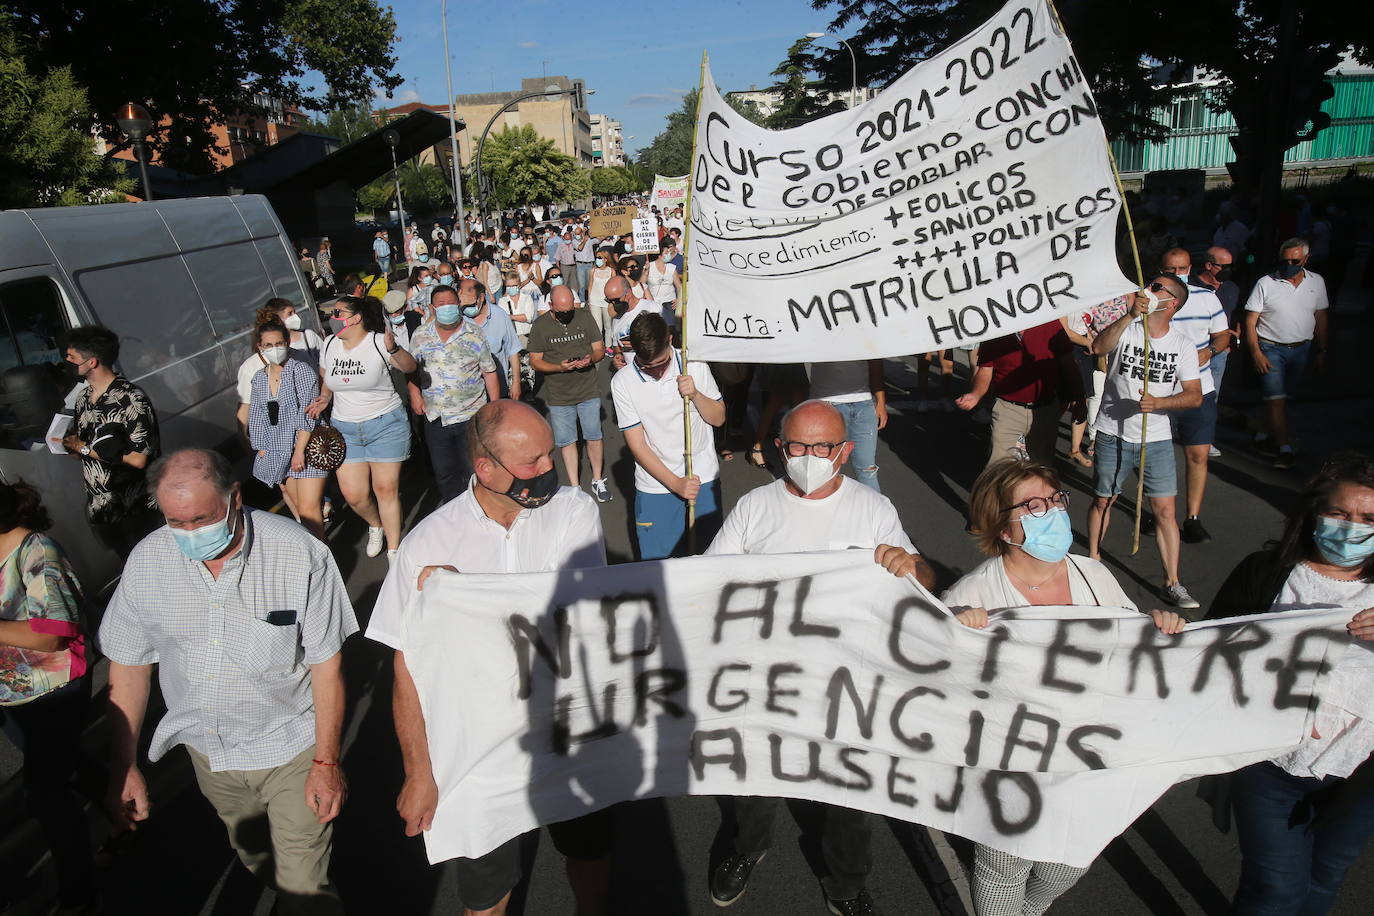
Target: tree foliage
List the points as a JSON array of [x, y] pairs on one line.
[[615, 181], [670, 153], [347, 122], [191, 62], [48, 154], [525, 168], [799, 94]]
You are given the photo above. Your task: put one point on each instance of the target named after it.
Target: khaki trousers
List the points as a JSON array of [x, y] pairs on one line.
[[1040, 426], [276, 835]]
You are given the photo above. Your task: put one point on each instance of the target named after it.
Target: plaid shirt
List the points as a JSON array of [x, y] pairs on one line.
[[233, 652]]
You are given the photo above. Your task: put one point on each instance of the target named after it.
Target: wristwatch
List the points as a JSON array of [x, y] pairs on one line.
[[393, 350], [85, 450]]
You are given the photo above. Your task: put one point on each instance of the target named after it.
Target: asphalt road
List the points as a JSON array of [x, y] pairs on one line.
[[1173, 861]]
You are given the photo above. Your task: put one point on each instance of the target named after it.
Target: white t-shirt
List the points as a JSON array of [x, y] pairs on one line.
[[1288, 314], [247, 370], [360, 378], [656, 406], [1173, 360], [1345, 715], [620, 327], [773, 519], [564, 533], [988, 586], [840, 383], [1200, 318]]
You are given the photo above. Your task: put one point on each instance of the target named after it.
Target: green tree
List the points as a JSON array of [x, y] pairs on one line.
[[748, 108], [347, 122], [612, 181], [426, 187], [799, 101], [525, 168], [191, 62], [377, 196], [48, 153], [670, 153]]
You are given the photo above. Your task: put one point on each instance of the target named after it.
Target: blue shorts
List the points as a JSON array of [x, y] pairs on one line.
[[383, 440], [1197, 426], [661, 522], [564, 421], [1114, 459], [1286, 367]]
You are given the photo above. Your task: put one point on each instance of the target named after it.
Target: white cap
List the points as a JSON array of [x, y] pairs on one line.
[[394, 300]]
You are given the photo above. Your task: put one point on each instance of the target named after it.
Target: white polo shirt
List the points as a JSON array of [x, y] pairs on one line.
[[773, 519], [564, 533], [1288, 314], [657, 407], [1200, 318]]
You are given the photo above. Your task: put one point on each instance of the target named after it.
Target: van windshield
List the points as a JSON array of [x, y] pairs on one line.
[[31, 378]]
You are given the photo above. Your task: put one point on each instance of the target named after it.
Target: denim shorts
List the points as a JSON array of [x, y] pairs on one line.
[[564, 421], [383, 439], [1286, 367], [1197, 426], [1116, 458]]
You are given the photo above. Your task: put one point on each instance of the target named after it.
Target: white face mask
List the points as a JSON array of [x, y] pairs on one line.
[[292, 322], [274, 355], [1156, 304], [809, 473]]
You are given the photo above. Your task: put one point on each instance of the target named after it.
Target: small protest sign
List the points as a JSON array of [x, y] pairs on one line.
[[645, 235], [610, 222]]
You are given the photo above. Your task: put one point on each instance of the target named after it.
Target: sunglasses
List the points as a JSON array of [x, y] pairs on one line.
[[1291, 262], [339, 313]]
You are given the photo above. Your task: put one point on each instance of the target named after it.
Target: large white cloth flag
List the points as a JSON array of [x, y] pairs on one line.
[[972, 198], [824, 677]]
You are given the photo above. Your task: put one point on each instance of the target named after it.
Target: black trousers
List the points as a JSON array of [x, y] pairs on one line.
[[48, 732], [846, 841], [448, 456]]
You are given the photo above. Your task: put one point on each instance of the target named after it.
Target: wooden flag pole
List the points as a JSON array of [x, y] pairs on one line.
[[1140, 282], [682, 315]]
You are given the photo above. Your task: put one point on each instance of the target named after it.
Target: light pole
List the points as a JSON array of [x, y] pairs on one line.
[[392, 139], [853, 60], [482, 140], [453, 135], [134, 121]]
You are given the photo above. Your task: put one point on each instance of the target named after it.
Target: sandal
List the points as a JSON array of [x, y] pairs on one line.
[[1081, 458], [755, 457]]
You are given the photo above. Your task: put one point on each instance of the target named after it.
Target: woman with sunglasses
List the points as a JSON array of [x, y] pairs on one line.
[[1019, 514], [1306, 816], [278, 427], [632, 269], [355, 369]]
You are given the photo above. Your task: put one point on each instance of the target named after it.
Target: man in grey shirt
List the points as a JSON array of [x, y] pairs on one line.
[[244, 613]]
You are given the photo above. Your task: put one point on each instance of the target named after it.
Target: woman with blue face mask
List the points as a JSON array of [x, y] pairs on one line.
[[1304, 817], [1019, 514]]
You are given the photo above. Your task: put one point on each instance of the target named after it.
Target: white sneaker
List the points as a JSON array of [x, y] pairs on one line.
[[1178, 596], [601, 491], [1214, 452], [376, 537]]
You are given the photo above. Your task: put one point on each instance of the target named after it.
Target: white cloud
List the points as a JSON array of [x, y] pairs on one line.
[[528, 44]]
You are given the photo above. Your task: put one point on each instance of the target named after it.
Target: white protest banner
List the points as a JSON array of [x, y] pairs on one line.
[[823, 677], [645, 235], [970, 199], [668, 192]]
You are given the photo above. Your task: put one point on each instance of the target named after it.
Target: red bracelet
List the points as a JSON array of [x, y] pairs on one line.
[[324, 763]]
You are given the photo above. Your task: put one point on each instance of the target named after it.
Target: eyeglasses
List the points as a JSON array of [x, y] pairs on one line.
[[1039, 506], [819, 449], [339, 313], [1291, 262]]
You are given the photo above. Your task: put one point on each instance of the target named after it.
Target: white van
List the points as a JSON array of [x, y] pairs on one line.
[[178, 281]]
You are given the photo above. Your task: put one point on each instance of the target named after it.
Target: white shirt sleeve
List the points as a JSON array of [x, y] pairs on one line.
[[705, 381], [730, 539], [626, 412], [1255, 302]]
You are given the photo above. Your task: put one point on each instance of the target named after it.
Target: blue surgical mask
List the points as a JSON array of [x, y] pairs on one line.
[[207, 542], [1343, 543], [470, 311], [446, 279], [1048, 537], [428, 281], [447, 314], [512, 291], [397, 319], [555, 281]]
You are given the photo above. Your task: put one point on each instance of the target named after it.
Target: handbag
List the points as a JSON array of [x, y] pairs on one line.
[[325, 448]]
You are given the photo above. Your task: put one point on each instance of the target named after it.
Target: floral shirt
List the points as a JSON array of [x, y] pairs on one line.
[[37, 584], [119, 422], [456, 389]]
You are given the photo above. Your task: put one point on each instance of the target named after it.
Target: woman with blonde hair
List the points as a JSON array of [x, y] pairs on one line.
[[1019, 515]]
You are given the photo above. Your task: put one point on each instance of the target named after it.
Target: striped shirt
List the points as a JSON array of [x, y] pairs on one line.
[[1199, 318], [233, 652]]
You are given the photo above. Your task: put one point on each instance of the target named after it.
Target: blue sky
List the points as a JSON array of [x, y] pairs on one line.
[[640, 58]]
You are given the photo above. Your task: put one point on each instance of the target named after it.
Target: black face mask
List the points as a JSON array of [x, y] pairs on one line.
[[618, 306], [1223, 272], [636, 273], [532, 492], [565, 317]]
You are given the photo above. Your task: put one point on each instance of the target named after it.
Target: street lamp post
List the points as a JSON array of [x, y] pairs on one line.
[[853, 60], [134, 121], [482, 140], [453, 136], [392, 139]]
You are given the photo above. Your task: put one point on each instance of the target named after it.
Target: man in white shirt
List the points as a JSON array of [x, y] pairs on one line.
[[512, 518], [1137, 390], [814, 507], [1284, 317], [1202, 320], [648, 397]]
